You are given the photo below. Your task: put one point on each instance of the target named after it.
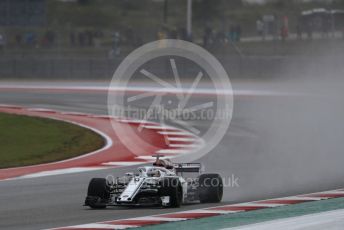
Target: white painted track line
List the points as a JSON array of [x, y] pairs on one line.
[[184, 146], [152, 159], [175, 133], [42, 110], [60, 172], [102, 226], [124, 163], [300, 198], [173, 151], [182, 139], [209, 211], [254, 204], [157, 218], [158, 127], [148, 123]]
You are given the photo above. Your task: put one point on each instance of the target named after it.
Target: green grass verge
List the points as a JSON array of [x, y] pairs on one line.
[[28, 140]]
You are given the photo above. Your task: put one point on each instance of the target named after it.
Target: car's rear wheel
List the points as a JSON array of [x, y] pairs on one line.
[[98, 193], [210, 188], [172, 187]]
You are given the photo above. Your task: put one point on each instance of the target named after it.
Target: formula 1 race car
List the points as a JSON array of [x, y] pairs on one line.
[[162, 184]]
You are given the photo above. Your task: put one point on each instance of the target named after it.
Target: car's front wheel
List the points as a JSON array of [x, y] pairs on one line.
[[210, 188], [172, 187], [98, 193]]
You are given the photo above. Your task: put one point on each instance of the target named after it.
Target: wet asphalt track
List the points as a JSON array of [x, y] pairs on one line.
[[276, 146]]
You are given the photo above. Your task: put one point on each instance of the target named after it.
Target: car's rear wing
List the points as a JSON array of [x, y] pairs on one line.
[[188, 167]]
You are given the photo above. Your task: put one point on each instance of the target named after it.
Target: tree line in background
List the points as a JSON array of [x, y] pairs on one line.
[[95, 23]]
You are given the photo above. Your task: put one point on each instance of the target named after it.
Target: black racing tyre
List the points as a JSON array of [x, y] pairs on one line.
[[172, 187], [98, 193], [210, 188]]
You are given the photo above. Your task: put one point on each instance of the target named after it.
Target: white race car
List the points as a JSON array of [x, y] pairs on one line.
[[162, 184]]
